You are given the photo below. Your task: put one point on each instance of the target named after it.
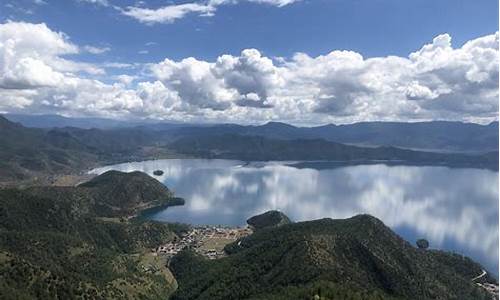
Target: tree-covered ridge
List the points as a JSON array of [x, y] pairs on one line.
[[356, 258], [259, 148], [34, 154], [128, 193], [270, 218], [58, 243]]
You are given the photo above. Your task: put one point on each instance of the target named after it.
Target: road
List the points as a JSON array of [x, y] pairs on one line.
[[479, 276]]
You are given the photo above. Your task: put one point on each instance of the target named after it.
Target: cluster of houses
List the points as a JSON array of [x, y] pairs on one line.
[[198, 237]]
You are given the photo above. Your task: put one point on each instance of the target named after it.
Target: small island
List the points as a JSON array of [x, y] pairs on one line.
[[158, 172], [422, 244]]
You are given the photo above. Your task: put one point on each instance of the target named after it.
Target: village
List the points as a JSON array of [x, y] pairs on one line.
[[208, 241]]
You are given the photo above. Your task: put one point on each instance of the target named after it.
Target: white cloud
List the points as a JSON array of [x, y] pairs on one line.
[[415, 91], [435, 82], [278, 3], [29, 55], [170, 13], [167, 14], [119, 65], [125, 79], [97, 2], [39, 46], [96, 50]]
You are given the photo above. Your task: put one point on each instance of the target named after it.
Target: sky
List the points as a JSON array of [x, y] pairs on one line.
[[304, 62]]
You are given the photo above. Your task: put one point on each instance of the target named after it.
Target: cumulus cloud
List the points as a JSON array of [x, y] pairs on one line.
[[436, 81], [32, 55]]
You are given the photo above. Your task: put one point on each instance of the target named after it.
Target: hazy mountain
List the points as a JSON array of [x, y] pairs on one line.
[[355, 258], [430, 136], [58, 121], [50, 121], [254, 148], [28, 152], [442, 136], [33, 152]]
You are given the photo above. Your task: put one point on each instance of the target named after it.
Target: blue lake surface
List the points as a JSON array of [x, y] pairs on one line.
[[455, 209]]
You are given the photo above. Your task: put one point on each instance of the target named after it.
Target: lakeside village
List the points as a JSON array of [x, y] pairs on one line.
[[208, 241]]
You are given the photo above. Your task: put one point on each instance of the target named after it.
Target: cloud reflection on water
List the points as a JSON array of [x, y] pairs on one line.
[[452, 208]]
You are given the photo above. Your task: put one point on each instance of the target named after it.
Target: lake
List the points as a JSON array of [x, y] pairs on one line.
[[455, 209]]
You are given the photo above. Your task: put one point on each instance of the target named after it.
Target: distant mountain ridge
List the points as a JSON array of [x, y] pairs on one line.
[[27, 153], [439, 136], [258, 148], [52, 121], [442, 136]]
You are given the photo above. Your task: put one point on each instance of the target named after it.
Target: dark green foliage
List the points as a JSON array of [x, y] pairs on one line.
[[33, 153], [158, 172], [357, 258], [422, 243], [118, 192], [323, 290], [54, 244], [268, 219], [27, 152]]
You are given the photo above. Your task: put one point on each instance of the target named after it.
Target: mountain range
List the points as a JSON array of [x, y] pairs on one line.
[[37, 153], [436, 136]]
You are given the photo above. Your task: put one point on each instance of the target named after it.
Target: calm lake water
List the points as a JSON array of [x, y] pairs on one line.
[[455, 209]]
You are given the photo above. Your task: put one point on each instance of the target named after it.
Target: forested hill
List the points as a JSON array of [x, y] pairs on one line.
[[79, 243], [36, 154], [33, 153], [355, 258], [231, 146]]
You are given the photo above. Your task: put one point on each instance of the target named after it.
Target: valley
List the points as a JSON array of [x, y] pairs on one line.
[[73, 234], [249, 150]]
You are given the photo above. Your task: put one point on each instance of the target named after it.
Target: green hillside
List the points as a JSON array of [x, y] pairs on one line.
[[356, 258], [62, 243]]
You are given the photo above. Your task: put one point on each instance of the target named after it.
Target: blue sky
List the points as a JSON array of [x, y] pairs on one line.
[[370, 27], [139, 33]]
